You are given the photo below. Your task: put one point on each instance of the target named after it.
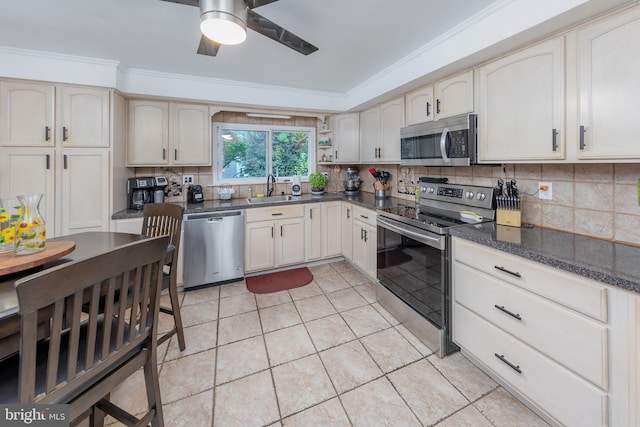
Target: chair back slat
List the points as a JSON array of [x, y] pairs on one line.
[[73, 323], [84, 346], [163, 219], [92, 331], [54, 344]]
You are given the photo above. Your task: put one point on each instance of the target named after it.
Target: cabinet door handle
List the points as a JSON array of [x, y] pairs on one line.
[[554, 142], [175, 154], [48, 162], [276, 214], [310, 214], [428, 109], [64, 133], [582, 131], [362, 234], [504, 310], [64, 161], [348, 211], [280, 231], [365, 235], [164, 154], [437, 106], [47, 137], [516, 274], [509, 364], [272, 232], [336, 155]]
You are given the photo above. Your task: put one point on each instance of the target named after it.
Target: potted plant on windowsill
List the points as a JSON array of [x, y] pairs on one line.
[[317, 182]]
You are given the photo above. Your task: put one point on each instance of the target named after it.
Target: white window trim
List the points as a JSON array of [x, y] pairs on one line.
[[217, 149]]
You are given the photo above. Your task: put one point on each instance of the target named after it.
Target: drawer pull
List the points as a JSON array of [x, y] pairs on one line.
[[507, 271], [276, 214], [365, 217], [504, 310], [511, 365]]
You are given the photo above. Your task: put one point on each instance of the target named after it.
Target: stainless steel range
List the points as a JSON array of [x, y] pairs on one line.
[[414, 254]]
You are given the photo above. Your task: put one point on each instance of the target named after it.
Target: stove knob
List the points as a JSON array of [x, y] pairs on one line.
[[482, 196], [469, 195], [432, 190]]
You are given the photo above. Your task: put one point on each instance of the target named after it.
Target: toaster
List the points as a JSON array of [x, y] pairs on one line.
[[194, 194]]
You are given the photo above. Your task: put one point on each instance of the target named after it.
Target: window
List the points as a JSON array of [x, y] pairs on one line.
[[247, 154]]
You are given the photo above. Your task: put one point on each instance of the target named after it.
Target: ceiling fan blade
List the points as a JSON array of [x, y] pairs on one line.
[[195, 3], [252, 4], [208, 47], [275, 32]]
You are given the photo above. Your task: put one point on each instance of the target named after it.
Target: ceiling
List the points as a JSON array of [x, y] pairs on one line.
[[368, 49], [356, 38]]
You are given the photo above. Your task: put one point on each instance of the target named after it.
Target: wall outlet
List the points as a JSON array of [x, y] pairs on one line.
[[187, 179], [545, 191], [325, 174]]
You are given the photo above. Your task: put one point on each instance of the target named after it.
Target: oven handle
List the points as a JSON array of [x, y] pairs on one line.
[[434, 242], [443, 145]]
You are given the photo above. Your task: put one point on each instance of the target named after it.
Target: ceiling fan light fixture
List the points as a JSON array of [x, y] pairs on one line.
[[224, 21]]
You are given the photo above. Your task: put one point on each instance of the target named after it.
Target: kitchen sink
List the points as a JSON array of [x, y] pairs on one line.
[[272, 199]]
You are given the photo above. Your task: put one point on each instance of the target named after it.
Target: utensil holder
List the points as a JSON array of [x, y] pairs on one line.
[[382, 194], [511, 218]]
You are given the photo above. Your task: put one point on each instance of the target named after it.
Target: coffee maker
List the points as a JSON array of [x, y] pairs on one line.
[[140, 192], [352, 183]]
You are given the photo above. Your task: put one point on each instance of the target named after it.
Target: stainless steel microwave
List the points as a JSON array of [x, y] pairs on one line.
[[448, 142]]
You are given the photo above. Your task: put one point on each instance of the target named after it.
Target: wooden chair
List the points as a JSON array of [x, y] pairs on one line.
[[166, 219], [89, 353]]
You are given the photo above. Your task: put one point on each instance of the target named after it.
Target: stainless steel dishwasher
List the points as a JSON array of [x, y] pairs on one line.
[[213, 248]]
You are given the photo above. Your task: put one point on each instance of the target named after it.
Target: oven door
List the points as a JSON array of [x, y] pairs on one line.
[[413, 273], [412, 265]]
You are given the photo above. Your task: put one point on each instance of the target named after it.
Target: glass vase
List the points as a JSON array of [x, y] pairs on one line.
[[30, 231], [9, 214]]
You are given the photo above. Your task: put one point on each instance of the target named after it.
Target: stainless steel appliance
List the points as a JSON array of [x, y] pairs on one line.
[[414, 253], [140, 192], [352, 183], [213, 248], [448, 142]]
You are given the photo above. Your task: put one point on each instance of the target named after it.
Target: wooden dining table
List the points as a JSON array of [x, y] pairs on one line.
[[86, 245]]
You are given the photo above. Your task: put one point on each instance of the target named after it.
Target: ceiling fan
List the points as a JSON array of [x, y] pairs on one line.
[[236, 15]]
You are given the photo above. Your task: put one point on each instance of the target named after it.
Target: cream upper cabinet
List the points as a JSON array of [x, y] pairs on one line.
[[82, 208], [26, 114], [380, 133], [609, 88], [148, 136], [521, 104], [418, 106], [346, 137], [83, 117], [454, 96], [161, 133], [190, 134]]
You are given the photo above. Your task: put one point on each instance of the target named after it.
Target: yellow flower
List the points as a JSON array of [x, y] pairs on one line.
[[4, 216], [23, 227], [9, 235], [35, 222], [42, 234]]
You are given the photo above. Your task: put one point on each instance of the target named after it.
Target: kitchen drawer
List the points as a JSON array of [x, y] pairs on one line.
[[273, 213], [563, 395], [579, 293], [577, 342], [364, 215]]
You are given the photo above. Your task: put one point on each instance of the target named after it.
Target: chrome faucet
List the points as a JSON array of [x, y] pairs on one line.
[[271, 184]]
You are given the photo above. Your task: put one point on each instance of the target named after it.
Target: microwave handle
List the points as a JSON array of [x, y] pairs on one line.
[[443, 145]]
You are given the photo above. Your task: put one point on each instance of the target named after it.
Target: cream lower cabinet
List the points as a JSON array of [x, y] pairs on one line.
[[75, 185], [331, 229], [548, 335], [346, 222], [313, 222], [521, 105], [364, 241], [274, 237]]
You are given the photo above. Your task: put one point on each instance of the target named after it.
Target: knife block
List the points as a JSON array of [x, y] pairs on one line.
[[509, 217]]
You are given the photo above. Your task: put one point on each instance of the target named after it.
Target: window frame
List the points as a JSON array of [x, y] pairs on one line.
[[270, 129]]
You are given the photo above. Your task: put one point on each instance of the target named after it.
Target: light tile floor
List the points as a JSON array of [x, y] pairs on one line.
[[325, 354]]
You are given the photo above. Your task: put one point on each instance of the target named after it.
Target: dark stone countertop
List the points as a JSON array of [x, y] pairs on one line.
[[364, 199], [612, 263]]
